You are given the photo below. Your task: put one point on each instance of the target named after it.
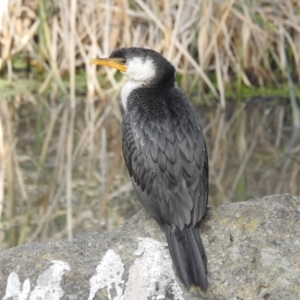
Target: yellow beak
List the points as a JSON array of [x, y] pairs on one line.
[[110, 62]]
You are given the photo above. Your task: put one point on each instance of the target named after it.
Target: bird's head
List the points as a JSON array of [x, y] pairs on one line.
[[139, 64]]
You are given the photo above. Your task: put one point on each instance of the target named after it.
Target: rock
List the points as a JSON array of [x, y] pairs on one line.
[[253, 251]]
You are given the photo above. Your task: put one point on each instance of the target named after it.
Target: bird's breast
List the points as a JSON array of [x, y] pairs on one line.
[[128, 87]]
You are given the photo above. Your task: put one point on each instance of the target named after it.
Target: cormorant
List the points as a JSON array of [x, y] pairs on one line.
[[165, 154]]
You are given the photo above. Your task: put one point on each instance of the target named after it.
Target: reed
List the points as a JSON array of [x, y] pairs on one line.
[[60, 149], [249, 41]]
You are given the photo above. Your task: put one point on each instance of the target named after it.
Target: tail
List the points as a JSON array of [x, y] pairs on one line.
[[188, 255]]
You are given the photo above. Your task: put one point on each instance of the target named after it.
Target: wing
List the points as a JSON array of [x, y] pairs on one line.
[[165, 153]]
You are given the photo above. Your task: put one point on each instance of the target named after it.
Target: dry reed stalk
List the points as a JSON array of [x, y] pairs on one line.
[[279, 127], [8, 164], [54, 113], [3, 11], [3, 160], [218, 139], [86, 134], [69, 166], [73, 8], [48, 216], [47, 49], [242, 167]]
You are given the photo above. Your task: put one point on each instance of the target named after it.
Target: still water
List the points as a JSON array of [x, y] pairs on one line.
[[254, 151]]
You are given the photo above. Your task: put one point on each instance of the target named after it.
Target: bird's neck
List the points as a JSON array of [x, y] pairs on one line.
[[132, 84], [127, 88]]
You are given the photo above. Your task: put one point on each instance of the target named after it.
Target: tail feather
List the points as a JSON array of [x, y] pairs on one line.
[[188, 255]]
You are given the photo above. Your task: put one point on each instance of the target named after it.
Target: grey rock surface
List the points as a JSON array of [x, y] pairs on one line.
[[253, 251]]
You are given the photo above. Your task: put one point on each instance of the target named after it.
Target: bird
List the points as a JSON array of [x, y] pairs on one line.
[[166, 155]]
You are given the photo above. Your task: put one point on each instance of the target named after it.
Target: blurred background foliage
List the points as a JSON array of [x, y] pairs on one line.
[[61, 166]]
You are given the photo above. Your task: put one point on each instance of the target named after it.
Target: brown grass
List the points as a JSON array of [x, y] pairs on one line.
[[236, 38], [60, 156]]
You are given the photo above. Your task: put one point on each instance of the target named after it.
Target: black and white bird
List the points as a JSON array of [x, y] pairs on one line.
[[165, 154]]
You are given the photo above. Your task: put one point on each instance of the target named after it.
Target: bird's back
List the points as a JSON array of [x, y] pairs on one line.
[[166, 156]]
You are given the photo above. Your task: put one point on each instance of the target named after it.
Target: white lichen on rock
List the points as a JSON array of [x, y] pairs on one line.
[[109, 273], [48, 284], [13, 288], [152, 276]]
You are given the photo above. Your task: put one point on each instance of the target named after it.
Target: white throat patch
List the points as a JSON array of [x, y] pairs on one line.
[[139, 69], [127, 88], [139, 72]]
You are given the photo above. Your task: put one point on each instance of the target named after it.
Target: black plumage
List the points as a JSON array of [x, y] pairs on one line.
[[166, 157]]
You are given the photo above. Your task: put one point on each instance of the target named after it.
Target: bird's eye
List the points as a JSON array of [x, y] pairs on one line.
[[123, 60]]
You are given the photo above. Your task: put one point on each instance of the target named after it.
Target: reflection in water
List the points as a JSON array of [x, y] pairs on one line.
[[253, 150]]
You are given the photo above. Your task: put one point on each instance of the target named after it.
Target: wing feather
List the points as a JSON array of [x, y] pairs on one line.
[[166, 156]]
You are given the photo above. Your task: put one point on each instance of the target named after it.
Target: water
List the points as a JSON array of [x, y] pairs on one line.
[[253, 151]]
